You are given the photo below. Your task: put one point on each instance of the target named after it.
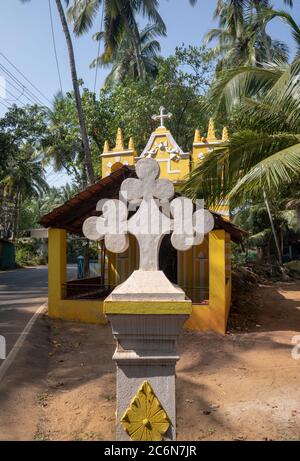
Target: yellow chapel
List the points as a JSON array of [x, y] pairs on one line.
[[204, 272]]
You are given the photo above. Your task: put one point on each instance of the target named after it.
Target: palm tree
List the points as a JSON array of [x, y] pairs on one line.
[[25, 179], [123, 58], [119, 20], [241, 36], [62, 150], [264, 158], [82, 123]]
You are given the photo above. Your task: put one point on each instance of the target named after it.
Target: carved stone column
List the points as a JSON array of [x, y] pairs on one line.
[[146, 332], [147, 311]]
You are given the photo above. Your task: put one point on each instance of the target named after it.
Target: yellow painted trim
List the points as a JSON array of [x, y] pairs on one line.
[[217, 279], [148, 307], [214, 316], [57, 267], [200, 319], [86, 311]]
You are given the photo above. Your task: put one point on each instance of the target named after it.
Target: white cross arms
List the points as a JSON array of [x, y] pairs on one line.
[[162, 116], [155, 217]]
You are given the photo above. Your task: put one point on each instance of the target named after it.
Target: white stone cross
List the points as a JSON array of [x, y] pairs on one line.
[[162, 116], [154, 219]]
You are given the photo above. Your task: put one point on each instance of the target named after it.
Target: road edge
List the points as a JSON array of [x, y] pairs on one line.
[[20, 341]]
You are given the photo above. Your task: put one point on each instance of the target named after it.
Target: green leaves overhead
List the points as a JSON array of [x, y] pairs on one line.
[[268, 175], [241, 35], [123, 59]]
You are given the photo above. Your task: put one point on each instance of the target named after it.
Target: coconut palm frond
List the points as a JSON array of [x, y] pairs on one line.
[[82, 14], [235, 84], [268, 175]]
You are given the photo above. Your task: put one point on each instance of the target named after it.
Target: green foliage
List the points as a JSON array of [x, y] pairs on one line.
[[180, 86], [242, 37], [119, 24], [294, 268], [123, 59], [63, 144], [263, 156], [77, 248], [33, 137], [28, 254], [22, 132], [254, 218], [25, 125], [33, 209]]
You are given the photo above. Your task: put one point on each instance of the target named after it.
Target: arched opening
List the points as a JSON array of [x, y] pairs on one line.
[[168, 259]]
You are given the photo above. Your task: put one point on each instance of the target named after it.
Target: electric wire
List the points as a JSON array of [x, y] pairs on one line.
[[54, 46], [24, 76], [19, 83]]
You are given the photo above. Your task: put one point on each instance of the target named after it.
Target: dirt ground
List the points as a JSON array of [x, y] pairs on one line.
[[242, 386]]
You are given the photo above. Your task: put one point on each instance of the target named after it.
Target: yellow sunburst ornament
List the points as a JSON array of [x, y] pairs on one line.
[[145, 419]]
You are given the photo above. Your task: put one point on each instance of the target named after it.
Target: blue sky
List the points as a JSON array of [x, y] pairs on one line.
[[25, 38]]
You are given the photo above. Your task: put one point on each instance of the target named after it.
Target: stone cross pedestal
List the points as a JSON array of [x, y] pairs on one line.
[[147, 311]]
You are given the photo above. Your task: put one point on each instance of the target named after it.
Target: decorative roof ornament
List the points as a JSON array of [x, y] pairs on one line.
[[151, 153], [225, 135], [211, 135], [106, 148], [162, 116], [131, 145], [163, 141], [197, 137], [119, 141], [163, 147]]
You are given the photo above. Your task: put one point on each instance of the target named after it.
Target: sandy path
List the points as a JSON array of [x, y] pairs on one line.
[[244, 385]]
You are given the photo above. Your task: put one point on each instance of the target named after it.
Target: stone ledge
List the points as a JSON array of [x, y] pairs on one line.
[[133, 358]]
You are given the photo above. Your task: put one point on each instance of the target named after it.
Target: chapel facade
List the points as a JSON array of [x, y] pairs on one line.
[[203, 272]]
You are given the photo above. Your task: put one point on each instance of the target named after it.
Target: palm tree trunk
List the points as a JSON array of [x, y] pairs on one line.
[[83, 130], [273, 230], [16, 215], [259, 8], [134, 35], [266, 44], [298, 218], [138, 55]]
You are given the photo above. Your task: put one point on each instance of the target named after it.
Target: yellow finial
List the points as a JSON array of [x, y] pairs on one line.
[[131, 144], [225, 135], [197, 137], [119, 141], [106, 148], [211, 135]]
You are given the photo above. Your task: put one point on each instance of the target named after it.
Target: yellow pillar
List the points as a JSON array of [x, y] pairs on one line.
[[57, 268], [217, 281]]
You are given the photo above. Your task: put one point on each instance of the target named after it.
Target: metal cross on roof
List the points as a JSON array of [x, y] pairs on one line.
[[162, 116]]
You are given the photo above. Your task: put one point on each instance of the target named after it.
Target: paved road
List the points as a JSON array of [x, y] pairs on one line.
[[22, 292]]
